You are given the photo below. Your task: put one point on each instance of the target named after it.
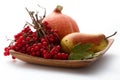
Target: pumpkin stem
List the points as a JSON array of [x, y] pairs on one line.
[[58, 8]]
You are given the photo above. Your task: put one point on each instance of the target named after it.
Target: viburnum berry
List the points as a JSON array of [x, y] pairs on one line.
[[38, 40], [28, 38], [6, 53], [47, 56], [13, 57]]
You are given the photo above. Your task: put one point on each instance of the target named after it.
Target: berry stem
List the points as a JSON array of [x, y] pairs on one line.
[[38, 24]]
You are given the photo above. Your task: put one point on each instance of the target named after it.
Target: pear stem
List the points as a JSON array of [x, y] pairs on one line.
[[112, 34]]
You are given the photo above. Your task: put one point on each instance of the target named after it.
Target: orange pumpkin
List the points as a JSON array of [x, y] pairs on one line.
[[61, 22]]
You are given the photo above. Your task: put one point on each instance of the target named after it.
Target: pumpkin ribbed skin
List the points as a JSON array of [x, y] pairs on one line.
[[61, 22]]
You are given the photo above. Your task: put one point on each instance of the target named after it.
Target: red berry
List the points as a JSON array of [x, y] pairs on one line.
[[36, 48], [13, 57], [44, 43], [64, 56], [47, 56], [28, 38], [6, 53]]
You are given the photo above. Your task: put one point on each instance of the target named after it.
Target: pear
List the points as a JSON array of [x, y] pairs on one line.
[[99, 41]]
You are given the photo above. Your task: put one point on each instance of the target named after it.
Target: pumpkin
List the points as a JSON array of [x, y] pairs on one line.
[[61, 22]]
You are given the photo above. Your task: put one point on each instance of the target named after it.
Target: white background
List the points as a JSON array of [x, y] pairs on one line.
[[92, 16]]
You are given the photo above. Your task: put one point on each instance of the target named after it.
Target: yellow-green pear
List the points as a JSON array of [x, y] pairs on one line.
[[99, 41]]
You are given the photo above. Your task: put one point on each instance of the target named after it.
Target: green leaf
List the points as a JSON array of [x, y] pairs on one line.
[[81, 51]]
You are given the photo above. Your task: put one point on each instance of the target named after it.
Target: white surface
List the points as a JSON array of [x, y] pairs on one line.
[[92, 16]]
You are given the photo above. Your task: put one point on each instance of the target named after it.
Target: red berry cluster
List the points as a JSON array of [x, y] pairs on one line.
[[40, 43]]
